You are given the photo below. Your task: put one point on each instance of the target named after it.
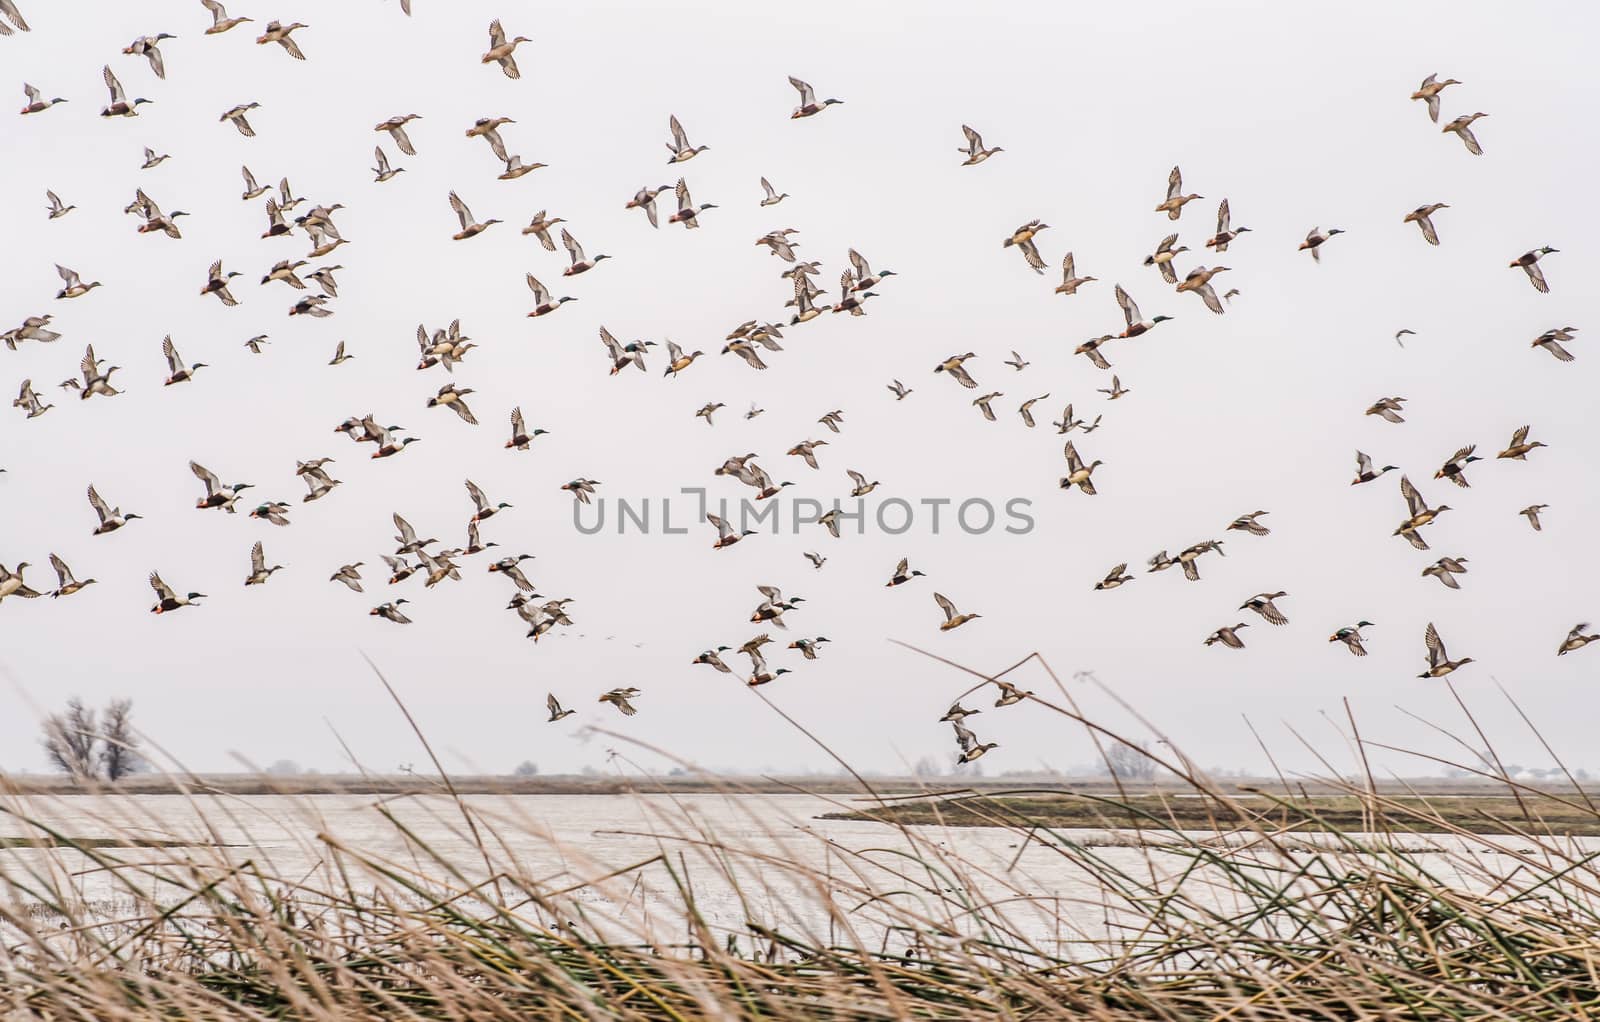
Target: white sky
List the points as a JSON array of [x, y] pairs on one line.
[[1299, 119]]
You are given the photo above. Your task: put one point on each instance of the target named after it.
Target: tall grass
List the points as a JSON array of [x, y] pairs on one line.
[[1251, 920]]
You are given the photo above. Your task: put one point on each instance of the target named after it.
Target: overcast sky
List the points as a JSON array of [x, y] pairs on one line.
[[1299, 119]]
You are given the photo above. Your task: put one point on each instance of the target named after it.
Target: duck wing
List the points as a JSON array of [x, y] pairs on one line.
[[117, 95], [1174, 183], [574, 249], [1130, 311], [1413, 498], [1224, 218], [1436, 651], [945, 605], [99, 505], [462, 212], [206, 476], [807, 97], [163, 591]]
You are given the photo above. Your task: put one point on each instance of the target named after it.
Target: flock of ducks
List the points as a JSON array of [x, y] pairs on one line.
[[753, 342]]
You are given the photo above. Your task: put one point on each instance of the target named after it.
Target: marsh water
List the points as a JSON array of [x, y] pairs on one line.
[[631, 861]]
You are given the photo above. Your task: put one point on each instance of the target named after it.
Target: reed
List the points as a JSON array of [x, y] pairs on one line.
[[1257, 916]]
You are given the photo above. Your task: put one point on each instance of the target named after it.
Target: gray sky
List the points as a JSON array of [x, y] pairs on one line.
[[1298, 119]]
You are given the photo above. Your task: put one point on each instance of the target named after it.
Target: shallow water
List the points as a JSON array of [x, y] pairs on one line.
[[600, 849]]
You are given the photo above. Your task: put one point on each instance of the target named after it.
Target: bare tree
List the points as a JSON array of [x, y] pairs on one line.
[[70, 739], [1130, 763], [80, 743], [119, 745]]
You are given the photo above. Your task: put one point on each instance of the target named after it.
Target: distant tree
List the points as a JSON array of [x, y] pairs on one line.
[[70, 739], [119, 745], [285, 768], [527, 768], [1130, 763], [86, 746], [928, 766]]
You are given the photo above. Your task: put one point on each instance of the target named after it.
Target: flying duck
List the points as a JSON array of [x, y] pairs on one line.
[[1429, 90], [1070, 281], [1228, 637], [952, 618], [277, 33], [1531, 513], [1576, 640], [153, 159], [1315, 239], [554, 706], [1130, 313], [809, 648], [220, 22], [1439, 662], [1248, 523], [66, 585], [1462, 126], [1388, 409], [1115, 391], [953, 366], [619, 697], [1176, 200], [679, 147], [974, 149], [75, 287], [520, 436], [147, 47], [899, 390], [470, 228], [1226, 232], [237, 116], [1529, 262], [392, 611], [167, 600], [1551, 340], [544, 303], [772, 198], [119, 105], [511, 568], [1421, 515], [36, 101], [179, 373], [1189, 558], [1114, 578], [1078, 474], [1422, 217], [500, 51], [217, 284], [259, 572], [712, 658], [807, 450], [580, 263], [1455, 469], [1022, 238], [111, 518], [687, 211], [1199, 282], [95, 381], [1262, 603], [645, 199], [707, 410], [350, 575], [11, 584], [1445, 569], [902, 574], [217, 495], [1026, 409], [1519, 448], [383, 172], [808, 100], [860, 487], [1351, 637], [396, 127], [540, 226], [29, 402]]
